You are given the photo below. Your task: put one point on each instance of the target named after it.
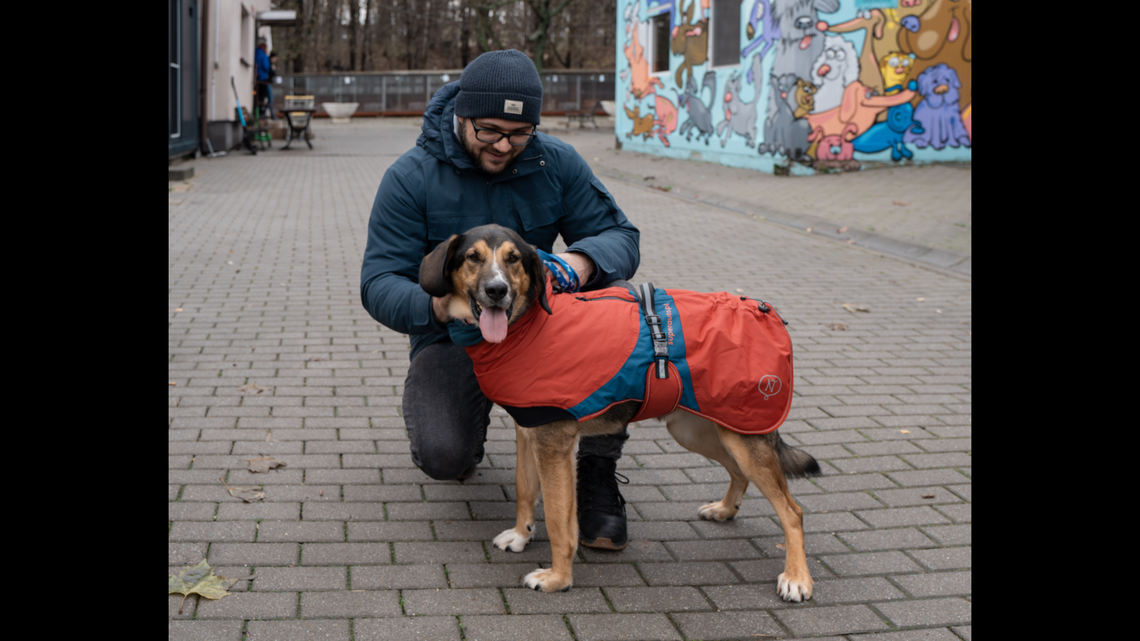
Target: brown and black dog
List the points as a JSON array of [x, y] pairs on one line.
[[494, 277]]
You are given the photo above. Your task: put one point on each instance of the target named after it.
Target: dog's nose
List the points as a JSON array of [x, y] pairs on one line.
[[496, 290], [941, 89]]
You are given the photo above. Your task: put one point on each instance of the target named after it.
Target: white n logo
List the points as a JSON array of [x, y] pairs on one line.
[[770, 386]]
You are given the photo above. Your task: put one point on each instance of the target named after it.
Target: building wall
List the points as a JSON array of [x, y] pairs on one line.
[[819, 85], [223, 54]]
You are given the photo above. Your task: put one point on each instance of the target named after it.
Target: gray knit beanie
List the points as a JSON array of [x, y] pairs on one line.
[[500, 84]]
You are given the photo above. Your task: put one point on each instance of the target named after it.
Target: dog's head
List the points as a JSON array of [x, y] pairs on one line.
[[492, 274]]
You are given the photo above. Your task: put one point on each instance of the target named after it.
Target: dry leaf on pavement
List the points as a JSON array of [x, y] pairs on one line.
[[198, 579], [852, 307], [248, 494], [927, 496], [838, 327], [252, 388], [842, 230], [899, 203], [263, 463]]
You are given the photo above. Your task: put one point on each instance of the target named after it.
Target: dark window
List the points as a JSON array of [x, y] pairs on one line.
[[660, 43], [725, 32]]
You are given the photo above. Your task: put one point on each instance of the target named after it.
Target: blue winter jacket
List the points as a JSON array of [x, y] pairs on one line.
[[261, 60], [434, 191]]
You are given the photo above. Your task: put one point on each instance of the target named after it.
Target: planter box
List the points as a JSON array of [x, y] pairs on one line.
[[340, 112]]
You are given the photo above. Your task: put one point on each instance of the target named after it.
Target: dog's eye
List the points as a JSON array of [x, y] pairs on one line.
[[513, 258], [473, 257]]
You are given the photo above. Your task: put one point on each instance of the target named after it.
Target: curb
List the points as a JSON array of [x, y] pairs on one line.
[[943, 259]]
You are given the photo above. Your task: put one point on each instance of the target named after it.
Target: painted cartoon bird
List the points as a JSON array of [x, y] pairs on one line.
[[895, 67]]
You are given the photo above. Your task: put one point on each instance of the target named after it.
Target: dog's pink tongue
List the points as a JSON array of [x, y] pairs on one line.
[[493, 324]]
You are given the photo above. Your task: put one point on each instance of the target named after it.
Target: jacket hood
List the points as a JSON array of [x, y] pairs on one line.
[[438, 137]]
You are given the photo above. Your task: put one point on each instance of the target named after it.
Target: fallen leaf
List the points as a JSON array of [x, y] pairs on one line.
[[248, 494], [269, 437], [838, 327], [842, 230], [197, 579], [899, 203], [321, 493], [852, 307], [927, 496], [920, 298], [263, 463], [938, 311], [316, 358], [177, 309], [252, 388], [173, 383], [781, 546], [810, 228], [650, 178], [739, 291], [904, 431]]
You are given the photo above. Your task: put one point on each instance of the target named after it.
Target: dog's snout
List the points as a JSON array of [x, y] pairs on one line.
[[495, 290]]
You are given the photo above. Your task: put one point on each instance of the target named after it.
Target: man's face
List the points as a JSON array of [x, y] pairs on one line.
[[491, 158]]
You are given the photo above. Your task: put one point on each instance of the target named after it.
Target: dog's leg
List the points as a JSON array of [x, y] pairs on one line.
[[698, 434], [527, 488], [762, 465], [553, 446]]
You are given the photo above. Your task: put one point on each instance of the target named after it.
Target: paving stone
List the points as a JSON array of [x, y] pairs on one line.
[[936, 584], [226, 531], [435, 552], [870, 563], [928, 477], [181, 554], [950, 535], [712, 550], [844, 501], [962, 631], [903, 538], [767, 570], [698, 573], [957, 513], [834, 522], [929, 634], [758, 596], [500, 628], [944, 558], [927, 612], [657, 599], [640, 550], [916, 496], [871, 464], [479, 530], [344, 512], [441, 628], [397, 577], [299, 579], [606, 575], [494, 575], [425, 511], [271, 531], [319, 476], [854, 482], [250, 605], [836, 619], [623, 627], [191, 511], [815, 544], [737, 528], [874, 589], [578, 599], [256, 554], [258, 511], [390, 531], [205, 630], [712, 626], [453, 601], [299, 630], [354, 604]]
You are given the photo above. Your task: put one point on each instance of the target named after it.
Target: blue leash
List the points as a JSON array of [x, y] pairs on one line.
[[565, 284]]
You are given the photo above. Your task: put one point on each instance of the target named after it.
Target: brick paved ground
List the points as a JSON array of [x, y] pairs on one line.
[[353, 542]]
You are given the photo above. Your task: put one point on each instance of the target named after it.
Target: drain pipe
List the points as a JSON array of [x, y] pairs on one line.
[[203, 128]]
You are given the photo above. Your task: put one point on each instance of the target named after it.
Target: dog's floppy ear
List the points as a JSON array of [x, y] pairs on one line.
[[435, 269], [534, 269]]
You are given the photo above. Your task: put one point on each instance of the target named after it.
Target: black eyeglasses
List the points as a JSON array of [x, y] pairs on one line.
[[491, 137]]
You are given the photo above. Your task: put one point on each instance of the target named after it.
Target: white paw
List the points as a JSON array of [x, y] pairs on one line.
[[716, 512], [509, 539], [794, 591], [544, 580]]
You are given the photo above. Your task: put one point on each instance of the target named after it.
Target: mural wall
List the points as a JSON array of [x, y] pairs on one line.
[[818, 84]]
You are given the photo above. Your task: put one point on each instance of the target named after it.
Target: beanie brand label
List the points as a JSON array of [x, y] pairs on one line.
[[513, 107]]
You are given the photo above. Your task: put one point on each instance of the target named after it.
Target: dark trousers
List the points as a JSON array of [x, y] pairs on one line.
[[447, 415]]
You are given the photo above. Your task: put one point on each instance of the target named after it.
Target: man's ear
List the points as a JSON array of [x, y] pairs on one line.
[[435, 269], [537, 276]]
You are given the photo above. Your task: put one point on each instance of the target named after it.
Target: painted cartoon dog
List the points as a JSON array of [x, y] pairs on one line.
[[938, 113], [495, 278]]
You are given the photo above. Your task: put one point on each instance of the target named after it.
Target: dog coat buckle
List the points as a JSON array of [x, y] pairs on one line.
[[660, 347]]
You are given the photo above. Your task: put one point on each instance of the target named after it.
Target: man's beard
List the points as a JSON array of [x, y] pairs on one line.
[[476, 156]]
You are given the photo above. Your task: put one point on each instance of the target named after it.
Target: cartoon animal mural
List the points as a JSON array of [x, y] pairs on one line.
[[641, 83], [739, 116], [785, 130], [700, 114], [938, 112], [691, 40], [761, 17], [845, 81]]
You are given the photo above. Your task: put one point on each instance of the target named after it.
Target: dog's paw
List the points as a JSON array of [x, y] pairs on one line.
[[511, 540], [717, 511], [794, 590], [547, 581]]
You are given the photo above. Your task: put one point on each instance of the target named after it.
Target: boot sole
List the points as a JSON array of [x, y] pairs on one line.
[[602, 543]]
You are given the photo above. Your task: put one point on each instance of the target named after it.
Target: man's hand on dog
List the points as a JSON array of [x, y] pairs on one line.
[[580, 263]]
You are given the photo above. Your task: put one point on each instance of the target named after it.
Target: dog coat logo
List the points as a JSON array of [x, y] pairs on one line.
[[770, 386], [513, 106]]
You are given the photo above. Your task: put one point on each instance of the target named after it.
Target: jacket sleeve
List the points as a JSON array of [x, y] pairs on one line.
[[594, 225], [389, 276]]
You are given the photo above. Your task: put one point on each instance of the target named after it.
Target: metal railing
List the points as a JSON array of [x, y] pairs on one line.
[[406, 93]]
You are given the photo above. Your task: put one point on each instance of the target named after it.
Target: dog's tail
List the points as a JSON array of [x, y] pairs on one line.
[[796, 463]]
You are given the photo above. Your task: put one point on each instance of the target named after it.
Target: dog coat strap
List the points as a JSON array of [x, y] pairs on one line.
[[662, 397], [660, 347]]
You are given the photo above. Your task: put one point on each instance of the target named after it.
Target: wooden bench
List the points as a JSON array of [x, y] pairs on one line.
[[586, 112]]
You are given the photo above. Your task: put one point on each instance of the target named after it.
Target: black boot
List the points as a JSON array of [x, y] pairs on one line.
[[601, 507]]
